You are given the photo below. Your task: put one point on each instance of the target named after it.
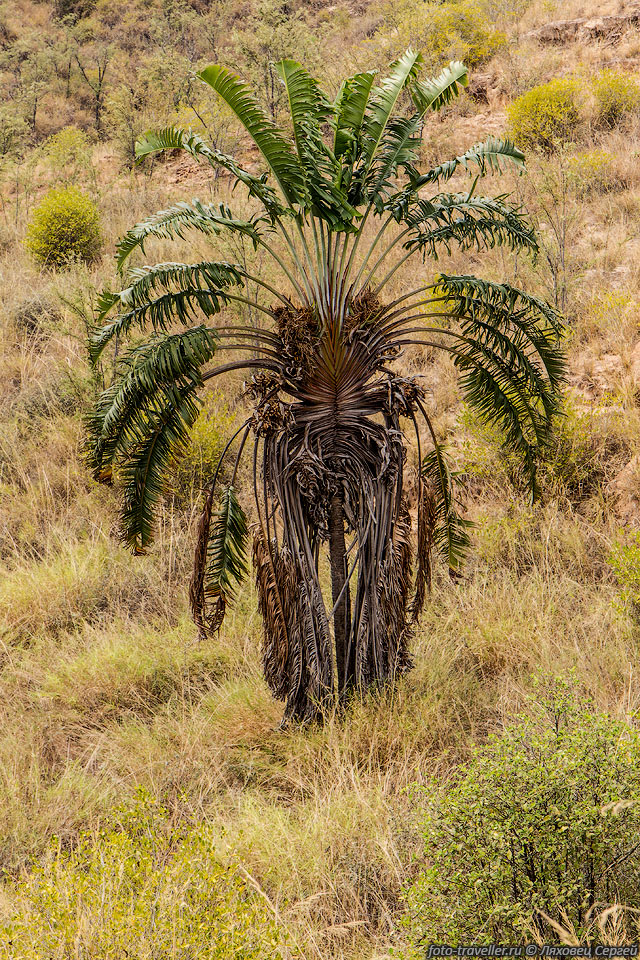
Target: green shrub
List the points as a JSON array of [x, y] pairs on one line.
[[617, 96], [459, 31], [625, 561], [73, 9], [68, 153], [544, 820], [484, 458], [208, 438], [142, 888], [463, 30], [546, 116], [588, 448], [63, 228], [591, 172], [14, 132]]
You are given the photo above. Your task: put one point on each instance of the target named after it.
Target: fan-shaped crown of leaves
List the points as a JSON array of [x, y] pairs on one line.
[[340, 207]]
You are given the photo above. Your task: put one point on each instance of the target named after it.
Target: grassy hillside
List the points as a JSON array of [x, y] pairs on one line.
[[108, 703]]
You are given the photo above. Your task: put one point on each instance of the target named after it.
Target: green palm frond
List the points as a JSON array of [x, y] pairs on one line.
[[167, 138], [436, 93], [506, 353], [502, 398], [489, 156], [199, 288], [155, 437], [349, 110], [470, 292], [274, 147], [308, 105], [173, 138], [400, 143], [382, 103], [451, 530], [161, 277], [506, 307], [145, 372], [99, 446], [480, 222], [511, 363], [178, 220], [514, 349], [309, 108], [226, 555], [399, 149]]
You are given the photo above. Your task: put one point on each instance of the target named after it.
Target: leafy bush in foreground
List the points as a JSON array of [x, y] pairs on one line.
[[544, 822], [63, 228], [141, 889], [545, 116]]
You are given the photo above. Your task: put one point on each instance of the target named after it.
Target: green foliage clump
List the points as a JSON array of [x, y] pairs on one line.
[[460, 31], [73, 9], [153, 96], [586, 452], [68, 152], [484, 457], [209, 435], [140, 888], [542, 823], [547, 115], [625, 561], [63, 228], [617, 96], [590, 172], [14, 132], [463, 30]]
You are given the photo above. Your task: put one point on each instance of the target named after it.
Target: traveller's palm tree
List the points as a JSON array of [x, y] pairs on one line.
[[340, 209]]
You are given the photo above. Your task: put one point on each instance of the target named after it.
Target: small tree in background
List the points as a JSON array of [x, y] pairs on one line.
[[327, 404], [265, 38]]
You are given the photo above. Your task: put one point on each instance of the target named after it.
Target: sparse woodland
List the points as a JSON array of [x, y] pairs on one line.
[[151, 803]]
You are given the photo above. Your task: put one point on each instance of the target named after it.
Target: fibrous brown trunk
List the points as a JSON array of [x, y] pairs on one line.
[[345, 653]]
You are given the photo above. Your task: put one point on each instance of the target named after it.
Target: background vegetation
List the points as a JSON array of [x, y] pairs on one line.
[[313, 840]]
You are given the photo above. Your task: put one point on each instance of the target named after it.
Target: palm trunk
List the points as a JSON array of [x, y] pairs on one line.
[[345, 656]]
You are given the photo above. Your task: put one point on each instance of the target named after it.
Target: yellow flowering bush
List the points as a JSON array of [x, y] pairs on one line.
[[547, 115], [64, 227], [617, 96], [591, 172]]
